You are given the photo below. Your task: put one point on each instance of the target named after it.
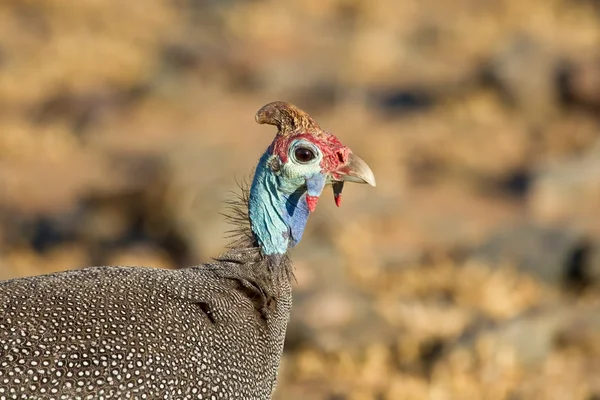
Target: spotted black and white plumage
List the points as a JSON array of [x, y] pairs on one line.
[[139, 333], [213, 331]]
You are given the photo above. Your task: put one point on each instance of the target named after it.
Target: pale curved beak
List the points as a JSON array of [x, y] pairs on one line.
[[356, 170]]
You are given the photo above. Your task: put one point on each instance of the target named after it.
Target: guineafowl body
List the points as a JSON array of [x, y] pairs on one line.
[[213, 331]]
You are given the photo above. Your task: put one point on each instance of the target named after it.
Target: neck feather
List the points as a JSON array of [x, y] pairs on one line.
[[269, 271], [277, 209]]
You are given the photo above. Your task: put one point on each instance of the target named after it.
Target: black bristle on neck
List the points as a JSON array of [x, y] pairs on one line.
[[243, 249]]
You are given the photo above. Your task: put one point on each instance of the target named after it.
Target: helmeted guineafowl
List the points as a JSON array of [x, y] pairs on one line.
[[213, 331]]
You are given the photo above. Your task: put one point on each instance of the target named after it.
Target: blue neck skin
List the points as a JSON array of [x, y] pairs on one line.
[[277, 206]]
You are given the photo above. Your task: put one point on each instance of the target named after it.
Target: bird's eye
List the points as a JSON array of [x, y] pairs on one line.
[[303, 154]]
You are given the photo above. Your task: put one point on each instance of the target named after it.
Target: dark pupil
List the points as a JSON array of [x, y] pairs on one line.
[[303, 154]]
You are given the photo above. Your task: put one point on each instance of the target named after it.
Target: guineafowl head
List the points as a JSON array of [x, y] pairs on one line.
[[292, 173]]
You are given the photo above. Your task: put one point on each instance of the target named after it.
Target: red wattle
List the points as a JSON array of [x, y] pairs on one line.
[[338, 199], [311, 202]]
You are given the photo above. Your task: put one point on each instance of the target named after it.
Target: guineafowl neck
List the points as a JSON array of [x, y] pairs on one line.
[[277, 209]]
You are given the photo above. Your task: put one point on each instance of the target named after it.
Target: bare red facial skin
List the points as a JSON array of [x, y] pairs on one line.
[[337, 187], [335, 154], [311, 202], [338, 199]]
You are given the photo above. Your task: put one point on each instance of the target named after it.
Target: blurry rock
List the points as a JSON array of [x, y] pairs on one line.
[[593, 268], [565, 137], [531, 338], [399, 101], [568, 191], [528, 340], [582, 331], [580, 84], [548, 253], [334, 320], [524, 70]]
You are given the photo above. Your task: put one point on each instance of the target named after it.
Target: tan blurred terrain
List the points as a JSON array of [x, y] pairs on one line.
[[472, 271]]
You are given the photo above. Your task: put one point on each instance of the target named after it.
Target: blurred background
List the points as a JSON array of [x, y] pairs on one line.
[[472, 271]]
